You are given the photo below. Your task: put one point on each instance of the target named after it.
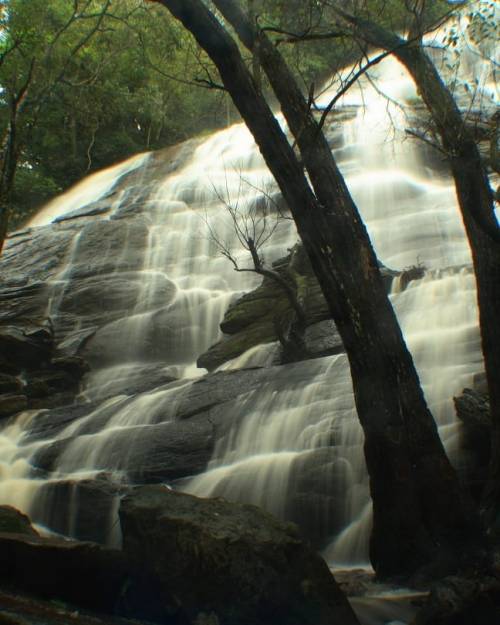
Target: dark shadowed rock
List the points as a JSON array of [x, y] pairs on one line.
[[229, 564], [81, 573], [462, 601], [473, 410], [323, 339], [14, 522], [10, 384], [11, 404], [21, 350], [22, 609]]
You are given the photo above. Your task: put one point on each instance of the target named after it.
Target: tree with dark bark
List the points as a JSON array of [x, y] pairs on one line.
[[27, 85], [475, 200], [10, 154], [421, 516], [86, 83]]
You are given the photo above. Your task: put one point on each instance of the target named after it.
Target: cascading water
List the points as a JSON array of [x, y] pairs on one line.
[[300, 421]]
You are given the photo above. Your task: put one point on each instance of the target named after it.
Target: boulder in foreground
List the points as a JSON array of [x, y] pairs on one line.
[[228, 564]]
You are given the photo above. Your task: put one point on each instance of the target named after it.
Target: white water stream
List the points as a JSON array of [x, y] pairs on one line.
[[301, 411]]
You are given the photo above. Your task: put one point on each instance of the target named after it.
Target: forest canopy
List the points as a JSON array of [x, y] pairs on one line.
[[86, 83]]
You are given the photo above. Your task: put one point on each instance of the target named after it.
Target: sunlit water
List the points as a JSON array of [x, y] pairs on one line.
[[303, 413]]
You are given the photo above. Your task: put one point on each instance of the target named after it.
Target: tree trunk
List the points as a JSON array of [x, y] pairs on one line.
[[476, 203], [420, 514], [10, 155], [7, 175]]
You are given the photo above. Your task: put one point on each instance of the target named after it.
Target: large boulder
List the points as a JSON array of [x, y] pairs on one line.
[[228, 564], [462, 601]]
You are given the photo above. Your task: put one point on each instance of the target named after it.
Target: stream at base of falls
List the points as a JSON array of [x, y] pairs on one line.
[[376, 603], [286, 436]]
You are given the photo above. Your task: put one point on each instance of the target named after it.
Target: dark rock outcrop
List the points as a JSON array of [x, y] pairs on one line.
[[255, 317], [14, 522], [11, 404], [22, 609], [84, 574], [473, 410], [229, 564], [22, 349], [462, 601], [31, 375]]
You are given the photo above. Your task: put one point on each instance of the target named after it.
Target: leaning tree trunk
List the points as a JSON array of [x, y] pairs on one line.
[[419, 512], [476, 202], [475, 199]]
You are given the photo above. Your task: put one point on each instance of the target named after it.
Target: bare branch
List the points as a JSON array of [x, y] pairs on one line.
[[349, 84]]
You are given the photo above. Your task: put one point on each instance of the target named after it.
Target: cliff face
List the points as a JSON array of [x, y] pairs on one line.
[[105, 313], [90, 348]]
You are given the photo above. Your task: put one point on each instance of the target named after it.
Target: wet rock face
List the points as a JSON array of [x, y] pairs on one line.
[[30, 375], [64, 288], [83, 508], [253, 319], [229, 564]]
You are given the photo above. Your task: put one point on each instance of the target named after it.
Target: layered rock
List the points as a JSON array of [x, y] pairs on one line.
[[256, 317], [63, 286], [31, 375]]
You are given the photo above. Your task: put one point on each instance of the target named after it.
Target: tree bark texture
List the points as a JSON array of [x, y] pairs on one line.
[[10, 155], [476, 203], [420, 514]]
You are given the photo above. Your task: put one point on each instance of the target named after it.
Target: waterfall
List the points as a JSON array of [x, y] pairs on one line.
[[294, 437]]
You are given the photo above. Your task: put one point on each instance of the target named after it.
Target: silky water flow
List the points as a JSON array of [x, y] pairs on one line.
[[302, 415]]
